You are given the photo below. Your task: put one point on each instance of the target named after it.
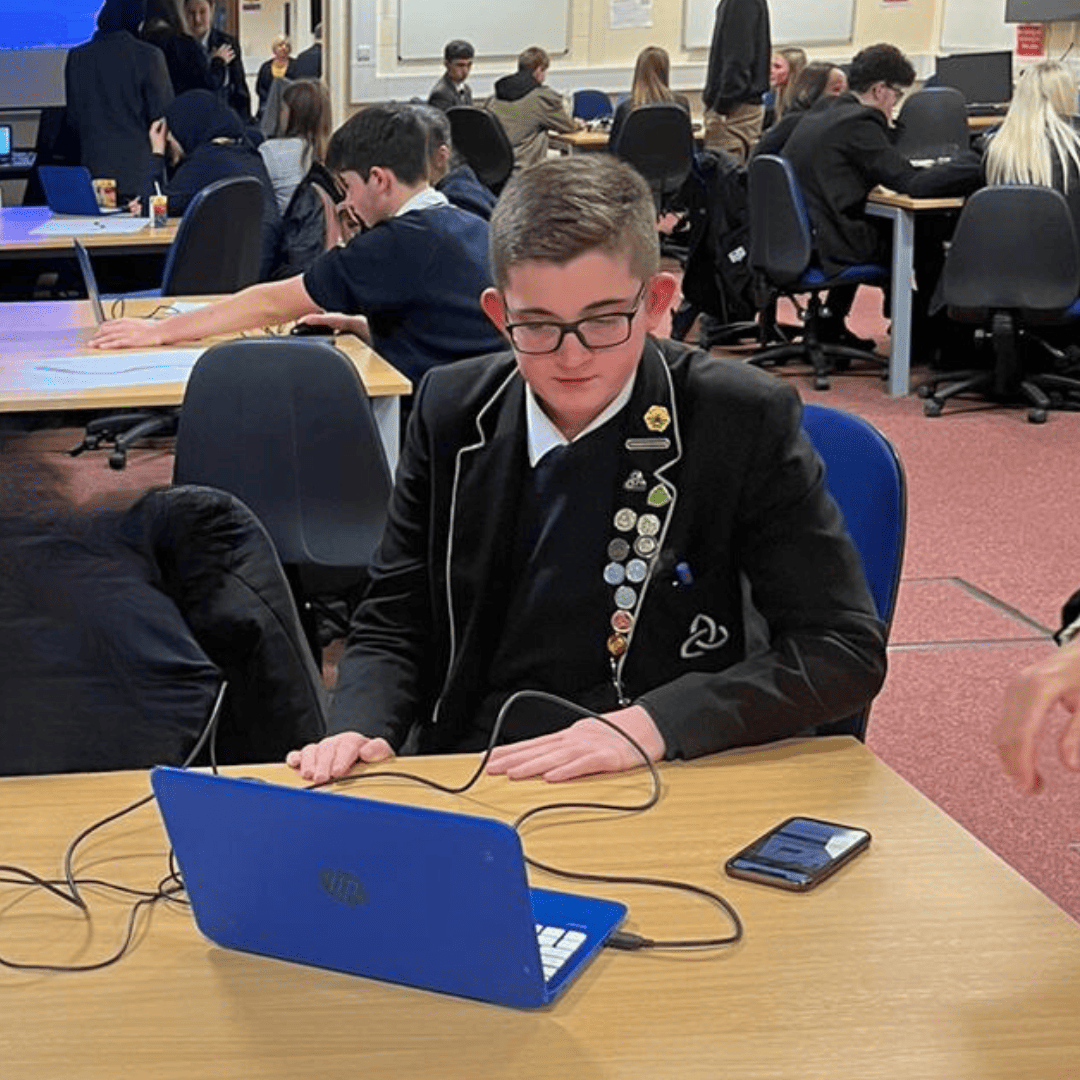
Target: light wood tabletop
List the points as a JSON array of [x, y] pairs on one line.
[[18, 235], [885, 197], [35, 332], [927, 958]]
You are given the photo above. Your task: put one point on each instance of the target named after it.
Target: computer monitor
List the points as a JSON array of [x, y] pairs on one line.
[[5, 141], [983, 78], [1042, 10]]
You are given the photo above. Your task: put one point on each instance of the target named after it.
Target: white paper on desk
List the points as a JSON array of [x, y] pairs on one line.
[[87, 226], [109, 369]]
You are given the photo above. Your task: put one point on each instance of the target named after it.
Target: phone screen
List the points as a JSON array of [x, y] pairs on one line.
[[798, 853]]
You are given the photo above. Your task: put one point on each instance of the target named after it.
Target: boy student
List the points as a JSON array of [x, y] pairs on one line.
[[414, 278], [579, 514], [528, 110], [452, 89]]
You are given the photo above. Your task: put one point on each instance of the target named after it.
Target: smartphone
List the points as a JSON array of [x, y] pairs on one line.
[[798, 854]]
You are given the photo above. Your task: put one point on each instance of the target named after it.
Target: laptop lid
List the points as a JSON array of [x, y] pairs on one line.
[[983, 78], [69, 190], [90, 281], [405, 894]]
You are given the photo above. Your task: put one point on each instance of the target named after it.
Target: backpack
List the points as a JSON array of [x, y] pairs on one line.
[[314, 221], [718, 279]]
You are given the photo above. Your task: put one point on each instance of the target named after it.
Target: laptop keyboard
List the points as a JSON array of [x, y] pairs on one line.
[[557, 945]]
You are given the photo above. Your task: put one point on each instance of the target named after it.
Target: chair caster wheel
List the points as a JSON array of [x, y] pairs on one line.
[[925, 391], [1036, 416], [821, 382], [117, 460], [932, 408]]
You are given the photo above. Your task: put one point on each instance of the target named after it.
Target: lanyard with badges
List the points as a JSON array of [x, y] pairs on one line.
[[639, 522]]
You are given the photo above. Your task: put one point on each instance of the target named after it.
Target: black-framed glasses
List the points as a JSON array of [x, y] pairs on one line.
[[594, 332]]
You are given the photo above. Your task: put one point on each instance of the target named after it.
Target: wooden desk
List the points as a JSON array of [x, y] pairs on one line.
[[33, 332], [901, 209], [572, 142], [17, 237], [926, 959]]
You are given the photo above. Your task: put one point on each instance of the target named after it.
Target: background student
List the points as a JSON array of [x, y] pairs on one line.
[[116, 86], [738, 76], [453, 89], [190, 68], [223, 48], [786, 66], [204, 141], [652, 70], [304, 128], [528, 110], [1037, 142], [410, 284], [818, 85]]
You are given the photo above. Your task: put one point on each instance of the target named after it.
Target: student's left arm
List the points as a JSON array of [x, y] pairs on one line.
[[556, 117], [267, 304]]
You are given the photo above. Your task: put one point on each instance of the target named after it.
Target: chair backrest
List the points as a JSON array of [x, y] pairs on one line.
[[1014, 248], [933, 123], [218, 245], [781, 237], [866, 479], [658, 141], [285, 424], [591, 104], [481, 140]]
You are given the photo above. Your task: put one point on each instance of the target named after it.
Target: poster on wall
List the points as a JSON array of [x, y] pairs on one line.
[[627, 14], [1030, 40], [894, 3]]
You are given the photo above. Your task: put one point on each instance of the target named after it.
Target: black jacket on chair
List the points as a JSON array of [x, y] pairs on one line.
[[115, 634]]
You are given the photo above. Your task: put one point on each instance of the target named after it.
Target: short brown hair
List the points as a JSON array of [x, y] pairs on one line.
[[532, 58], [562, 208]]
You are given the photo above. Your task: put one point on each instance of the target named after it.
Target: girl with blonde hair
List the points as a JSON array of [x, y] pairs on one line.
[[784, 71]]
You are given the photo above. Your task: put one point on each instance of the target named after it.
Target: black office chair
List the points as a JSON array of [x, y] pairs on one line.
[[591, 104], [1013, 267], [782, 255], [932, 124], [285, 424], [217, 250], [658, 141], [481, 140]]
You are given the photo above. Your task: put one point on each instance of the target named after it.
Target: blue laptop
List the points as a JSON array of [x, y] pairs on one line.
[[409, 895], [70, 190]]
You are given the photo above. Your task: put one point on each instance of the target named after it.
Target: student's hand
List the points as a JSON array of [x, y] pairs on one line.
[[343, 324], [1030, 701], [334, 756], [224, 52], [128, 334], [584, 748], [135, 207], [158, 132]]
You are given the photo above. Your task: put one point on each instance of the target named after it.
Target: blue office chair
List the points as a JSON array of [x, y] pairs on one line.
[[783, 257], [591, 104], [866, 479]]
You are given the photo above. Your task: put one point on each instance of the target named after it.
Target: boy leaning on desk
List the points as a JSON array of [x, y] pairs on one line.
[[578, 514]]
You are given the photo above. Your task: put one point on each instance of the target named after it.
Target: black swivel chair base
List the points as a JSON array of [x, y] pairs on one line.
[[122, 431]]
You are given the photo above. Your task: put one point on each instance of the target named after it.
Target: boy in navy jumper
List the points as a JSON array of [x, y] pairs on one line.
[[578, 515], [410, 284]]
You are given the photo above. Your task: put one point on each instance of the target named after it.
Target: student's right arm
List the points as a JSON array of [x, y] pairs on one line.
[[335, 755], [268, 304]]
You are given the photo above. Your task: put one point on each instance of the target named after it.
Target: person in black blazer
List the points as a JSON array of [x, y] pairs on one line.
[[308, 64], [453, 89], [580, 515], [116, 86], [189, 66], [220, 48]]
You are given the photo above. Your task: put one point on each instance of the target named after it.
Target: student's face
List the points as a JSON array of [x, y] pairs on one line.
[[457, 71], [836, 84], [198, 16], [779, 69], [575, 384], [366, 198]]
